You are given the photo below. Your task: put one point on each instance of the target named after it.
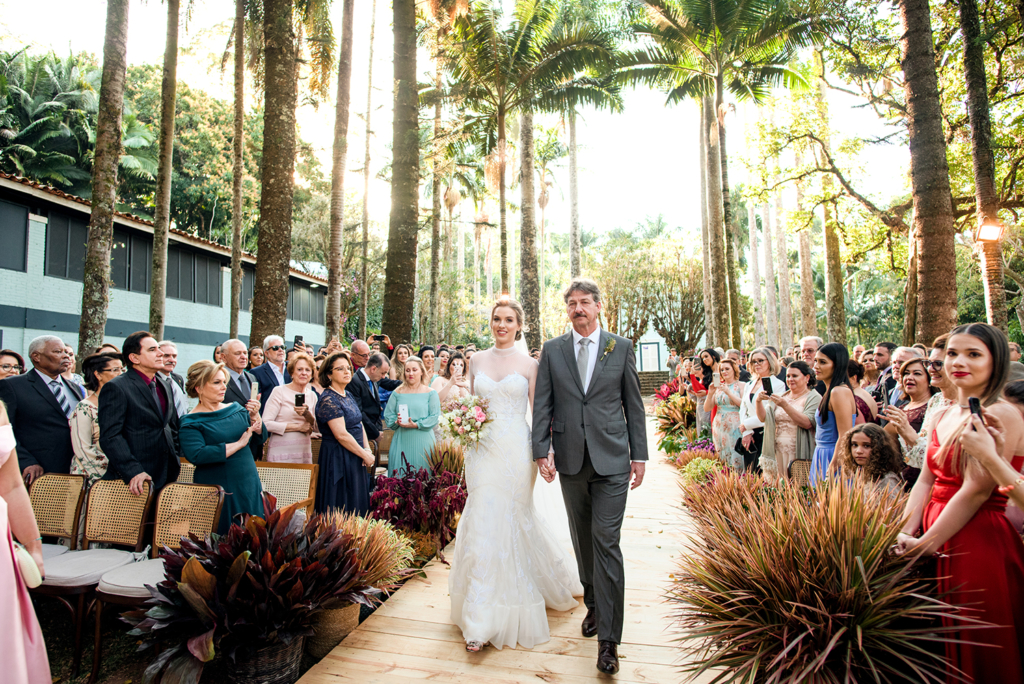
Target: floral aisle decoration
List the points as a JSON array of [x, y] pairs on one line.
[[788, 585], [676, 416], [465, 420], [702, 448]]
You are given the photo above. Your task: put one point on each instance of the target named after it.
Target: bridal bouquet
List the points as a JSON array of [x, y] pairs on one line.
[[465, 420]]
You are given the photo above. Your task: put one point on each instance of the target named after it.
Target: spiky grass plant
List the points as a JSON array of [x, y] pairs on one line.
[[446, 456], [383, 554], [700, 467], [788, 585]]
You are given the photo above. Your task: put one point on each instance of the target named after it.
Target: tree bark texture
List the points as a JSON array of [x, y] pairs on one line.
[[734, 288], [237, 170], [835, 304], [808, 312], [755, 276], [772, 309], [400, 276], [730, 252], [575, 240], [96, 280], [162, 219], [435, 218], [339, 163], [929, 176], [986, 199], [478, 229], [709, 308], [910, 297], [270, 299], [716, 228], [785, 291], [364, 284], [529, 283], [506, 285]]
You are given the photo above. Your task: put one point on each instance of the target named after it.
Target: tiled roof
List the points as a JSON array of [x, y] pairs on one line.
[[50, 190]]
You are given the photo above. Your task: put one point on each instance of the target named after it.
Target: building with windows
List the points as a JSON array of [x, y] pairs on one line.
[[42, 262]]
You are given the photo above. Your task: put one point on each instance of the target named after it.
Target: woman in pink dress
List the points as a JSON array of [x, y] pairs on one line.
[[21, 641], [291, 420]]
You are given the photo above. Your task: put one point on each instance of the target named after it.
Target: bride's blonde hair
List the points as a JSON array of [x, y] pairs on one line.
[[505, 300]]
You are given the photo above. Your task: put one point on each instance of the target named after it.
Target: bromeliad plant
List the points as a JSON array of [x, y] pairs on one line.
[[446, 455], [676, 417], [384, 555], [785, 585], [256, 586]]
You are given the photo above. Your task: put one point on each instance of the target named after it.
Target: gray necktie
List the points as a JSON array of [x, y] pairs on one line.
[[58, 392], [582, 361], [242, 385]]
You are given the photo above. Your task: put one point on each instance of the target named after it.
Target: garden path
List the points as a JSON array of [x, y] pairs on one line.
[[411, 637]]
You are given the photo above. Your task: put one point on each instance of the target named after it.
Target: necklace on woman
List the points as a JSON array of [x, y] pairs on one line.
[[504, 352]]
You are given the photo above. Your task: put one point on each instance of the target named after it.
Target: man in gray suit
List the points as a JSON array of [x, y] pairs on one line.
[[587, 401]]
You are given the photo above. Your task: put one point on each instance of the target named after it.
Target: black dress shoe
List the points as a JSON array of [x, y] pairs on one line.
[[607, 657], [590, 623]]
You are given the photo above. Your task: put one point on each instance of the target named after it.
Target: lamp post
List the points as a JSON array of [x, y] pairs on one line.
[[989, 237]]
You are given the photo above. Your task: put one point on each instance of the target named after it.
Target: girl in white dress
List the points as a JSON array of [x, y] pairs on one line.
[[508, 565]]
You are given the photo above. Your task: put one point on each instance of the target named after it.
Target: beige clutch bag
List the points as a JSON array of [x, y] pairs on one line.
[[27, 566]]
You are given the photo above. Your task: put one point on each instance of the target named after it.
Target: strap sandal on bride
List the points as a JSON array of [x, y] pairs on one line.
[[474, 646]]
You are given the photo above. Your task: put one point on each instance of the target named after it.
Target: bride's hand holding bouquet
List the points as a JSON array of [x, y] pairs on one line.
[[466, 419]]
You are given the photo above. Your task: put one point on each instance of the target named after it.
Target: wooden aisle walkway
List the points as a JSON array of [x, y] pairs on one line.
[[411, 636]]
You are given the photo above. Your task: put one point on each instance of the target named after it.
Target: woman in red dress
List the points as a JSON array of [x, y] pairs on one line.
[[956, 504]]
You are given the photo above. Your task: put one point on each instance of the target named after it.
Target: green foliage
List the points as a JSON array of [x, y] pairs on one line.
[[700, 469]]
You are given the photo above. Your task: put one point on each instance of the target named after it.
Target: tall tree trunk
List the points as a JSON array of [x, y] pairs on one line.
[[734, 288], [529, 283], [270, 301], [835, 304], [755, 276], [929, 176], [716, 227], [808, 313], [237, 170], [502, 209], [709, 302], [986, 200], [96, 280], [542, 254], [477, 237], [910, 297], [575, 240], [771, 315], [364, 280], [400, 277], [162, 222], [435, 216], [730, 252], [489, 268], [785, 291], [339, 164]]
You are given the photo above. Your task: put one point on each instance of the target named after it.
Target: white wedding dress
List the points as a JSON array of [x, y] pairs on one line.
[[509, 564]]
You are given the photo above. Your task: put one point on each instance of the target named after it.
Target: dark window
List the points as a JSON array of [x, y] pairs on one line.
[[141, 259], [66, 239], [317, 302], [305, 303], [186, 276], [14, 229], [119, 260], [193, 277], [173, 258], [248, 289]]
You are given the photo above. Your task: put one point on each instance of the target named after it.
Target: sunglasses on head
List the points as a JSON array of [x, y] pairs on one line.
[[277, 347]]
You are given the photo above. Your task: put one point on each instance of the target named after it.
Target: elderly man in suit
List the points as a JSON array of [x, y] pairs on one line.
[[365, 388], [39, 404], [274, 371], [138, 422], [240, 382]]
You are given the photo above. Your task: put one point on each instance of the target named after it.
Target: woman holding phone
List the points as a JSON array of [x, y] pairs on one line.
[[290, 414], [452, 383], [764, 367], [412, 412], [725, 394]]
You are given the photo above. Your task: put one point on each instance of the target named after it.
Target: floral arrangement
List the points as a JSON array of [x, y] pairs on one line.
[[701, 448], [667, 390], [676, 416], [700, 470], [465, 420]]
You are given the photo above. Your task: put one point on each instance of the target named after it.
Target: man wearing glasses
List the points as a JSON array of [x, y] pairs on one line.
[[273, 371]]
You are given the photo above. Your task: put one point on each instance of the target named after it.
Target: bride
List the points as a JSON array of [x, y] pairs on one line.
[[508, 565]]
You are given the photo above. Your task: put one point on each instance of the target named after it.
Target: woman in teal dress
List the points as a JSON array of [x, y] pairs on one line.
[[215, 436], [415, 435]]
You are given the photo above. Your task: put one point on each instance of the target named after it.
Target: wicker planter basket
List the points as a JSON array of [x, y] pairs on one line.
[[277, 664], [330, 627]]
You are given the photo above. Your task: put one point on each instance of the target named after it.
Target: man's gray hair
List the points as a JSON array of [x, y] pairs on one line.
[[820, 342], [268, 341], [585, 286], [377, 360], [733, 351], [914, 353], [232, 341], [37, 344], [166, 343]]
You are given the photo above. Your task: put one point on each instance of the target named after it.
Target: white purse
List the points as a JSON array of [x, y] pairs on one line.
[[27, 566]]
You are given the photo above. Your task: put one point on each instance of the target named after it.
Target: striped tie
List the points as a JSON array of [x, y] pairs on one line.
[[58, 392]]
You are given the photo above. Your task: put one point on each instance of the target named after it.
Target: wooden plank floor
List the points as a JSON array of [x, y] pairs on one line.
[[412, 638]]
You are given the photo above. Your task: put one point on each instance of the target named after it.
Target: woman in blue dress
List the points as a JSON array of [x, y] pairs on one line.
[[838, 410], [414, 431], [342, 482], [215, 436]]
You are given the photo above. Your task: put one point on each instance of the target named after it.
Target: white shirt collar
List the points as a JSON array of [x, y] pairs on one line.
[[594, 337], [47, 379], [366, 375]]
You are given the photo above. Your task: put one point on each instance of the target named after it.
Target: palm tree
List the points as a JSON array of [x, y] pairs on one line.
[[755, 275], [835, 308], [808, 319], [716, 226], [785, 291], [929, 175], [237, 168], [96, 279], [772, 321], [709, 308], [400, 275], [364, 284], [162, 220], [548, 150]]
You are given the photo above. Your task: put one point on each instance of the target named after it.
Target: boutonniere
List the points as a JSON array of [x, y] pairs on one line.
[[608, 348]]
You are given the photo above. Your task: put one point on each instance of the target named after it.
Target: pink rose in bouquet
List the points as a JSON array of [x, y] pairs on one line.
[[465, 420], [479, 414]]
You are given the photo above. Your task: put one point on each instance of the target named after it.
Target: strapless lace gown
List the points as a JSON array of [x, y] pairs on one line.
[[508, 565]]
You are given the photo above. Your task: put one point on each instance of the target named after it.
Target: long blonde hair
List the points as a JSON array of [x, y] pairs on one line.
[[424, 378], [399, 366]]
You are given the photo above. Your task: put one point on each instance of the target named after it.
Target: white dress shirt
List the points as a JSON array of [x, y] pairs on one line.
[[278, 373], [593, 350], [68, 394], [371, 383], [177, 396]]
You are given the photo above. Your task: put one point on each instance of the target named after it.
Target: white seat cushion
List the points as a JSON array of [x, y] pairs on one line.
[[82, 568], [131, 580], [53, 550]]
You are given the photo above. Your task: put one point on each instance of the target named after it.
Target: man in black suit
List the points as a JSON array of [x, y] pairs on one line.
[[138, 423], [365, 389], [236, 356], [273, 372], [39, 404]]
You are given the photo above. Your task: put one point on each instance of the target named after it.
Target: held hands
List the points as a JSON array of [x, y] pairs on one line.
[[408, 424], [546, 466], [135, 485], [367, 456], [748, 441], [907, 545]]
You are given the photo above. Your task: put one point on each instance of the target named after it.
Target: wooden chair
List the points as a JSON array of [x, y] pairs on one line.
[[800, 473], [289, 482], [182, 509], [113, 516], [384, 446], [315, 444], [57, 505], [187, 472]]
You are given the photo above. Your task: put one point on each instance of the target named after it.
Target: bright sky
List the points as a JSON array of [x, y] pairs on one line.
[[638, 163]]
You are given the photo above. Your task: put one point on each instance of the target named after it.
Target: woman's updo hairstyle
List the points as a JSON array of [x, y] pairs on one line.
[[505, 300], [199, 374]]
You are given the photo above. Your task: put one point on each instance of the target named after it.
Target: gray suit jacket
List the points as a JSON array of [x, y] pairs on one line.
[[609, 418]]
